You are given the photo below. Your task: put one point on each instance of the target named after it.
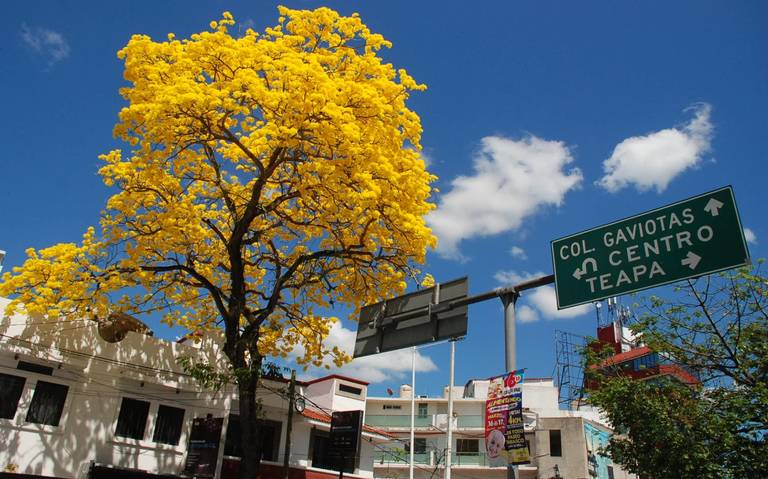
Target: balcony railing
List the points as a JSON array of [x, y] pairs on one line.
[[397, 420], [471, 459], [468, 421], [440, 421], [400, 457]]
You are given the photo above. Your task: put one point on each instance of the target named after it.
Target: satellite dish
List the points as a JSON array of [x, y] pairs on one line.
[[117, 325], [390, 392]]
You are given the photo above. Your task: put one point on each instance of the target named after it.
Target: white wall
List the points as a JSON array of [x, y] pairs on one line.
[[321, 393], [100, 374]]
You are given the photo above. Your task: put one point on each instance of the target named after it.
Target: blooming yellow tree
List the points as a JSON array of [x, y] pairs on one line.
[[268, 175]]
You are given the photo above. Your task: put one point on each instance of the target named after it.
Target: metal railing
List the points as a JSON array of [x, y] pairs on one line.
[[470, 459], [470, 421], [397, 420], [401, 457], [440, 421], [398, 456]]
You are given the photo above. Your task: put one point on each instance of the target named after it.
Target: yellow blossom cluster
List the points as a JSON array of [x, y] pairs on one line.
[[269, 177]]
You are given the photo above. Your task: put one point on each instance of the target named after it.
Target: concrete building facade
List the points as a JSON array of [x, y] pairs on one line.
[[74, 406], [561, 443]]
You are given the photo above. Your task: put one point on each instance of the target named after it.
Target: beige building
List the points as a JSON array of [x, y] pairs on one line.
[[561, 443]]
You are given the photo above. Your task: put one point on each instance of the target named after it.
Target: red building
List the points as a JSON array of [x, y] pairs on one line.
[[634, 359]]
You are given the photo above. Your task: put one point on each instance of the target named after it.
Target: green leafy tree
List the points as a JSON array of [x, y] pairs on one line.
[[717, 328]]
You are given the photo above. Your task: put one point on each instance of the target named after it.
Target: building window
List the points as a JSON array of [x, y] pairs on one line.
[[269, 432], [132, 419], [232, 440], [168, 425], [35, 368], [423, 408], [610, 472], [11, 388], [420, 445], [555, 446], [467, 446], [392, 406], [47, 403], [350, 389]]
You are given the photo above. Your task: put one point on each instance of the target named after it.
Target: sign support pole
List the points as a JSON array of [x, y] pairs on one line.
[[510, 346], [449, 449], [413, 412]]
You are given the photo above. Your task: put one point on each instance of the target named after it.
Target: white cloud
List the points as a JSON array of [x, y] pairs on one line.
[[511, 278], [518, 253], [653, 160], [526, 314], [512, 180], [540, 302], [375, 368], [48, 44], [750, 236], [544, 300]]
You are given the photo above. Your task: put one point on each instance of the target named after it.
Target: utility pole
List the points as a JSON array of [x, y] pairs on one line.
[[289, 424]]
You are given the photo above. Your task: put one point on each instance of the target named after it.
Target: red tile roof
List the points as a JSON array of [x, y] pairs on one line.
[[628, 355]]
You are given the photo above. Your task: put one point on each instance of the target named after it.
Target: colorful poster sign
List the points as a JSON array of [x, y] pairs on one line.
[[504, 429]]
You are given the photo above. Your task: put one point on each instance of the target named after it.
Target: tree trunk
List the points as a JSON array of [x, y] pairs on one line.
[[250, 409]]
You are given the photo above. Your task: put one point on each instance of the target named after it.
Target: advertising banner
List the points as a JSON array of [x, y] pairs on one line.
[[504, 428]]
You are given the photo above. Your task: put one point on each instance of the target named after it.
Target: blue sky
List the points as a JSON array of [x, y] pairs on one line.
[[541, 119]]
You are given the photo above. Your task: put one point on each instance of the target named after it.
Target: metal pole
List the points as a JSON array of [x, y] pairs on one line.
[[413, 412], [510, 350], [289, 424], [437, 307], [449, 449], [510, 361]]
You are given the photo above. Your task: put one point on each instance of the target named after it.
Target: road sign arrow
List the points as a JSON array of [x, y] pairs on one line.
[[583, 270], [691, 260], [713, 207]]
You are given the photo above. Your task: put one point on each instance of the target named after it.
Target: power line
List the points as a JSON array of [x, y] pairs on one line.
[[38, 323]]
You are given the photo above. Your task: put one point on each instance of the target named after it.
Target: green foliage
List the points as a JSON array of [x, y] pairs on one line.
[[211, 378], [717, 328]]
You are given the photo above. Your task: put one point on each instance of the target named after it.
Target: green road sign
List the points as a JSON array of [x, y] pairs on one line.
[[697, 236]]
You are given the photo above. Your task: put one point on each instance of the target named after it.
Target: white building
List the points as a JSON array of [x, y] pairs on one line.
[[73, 406], [560, 442]]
